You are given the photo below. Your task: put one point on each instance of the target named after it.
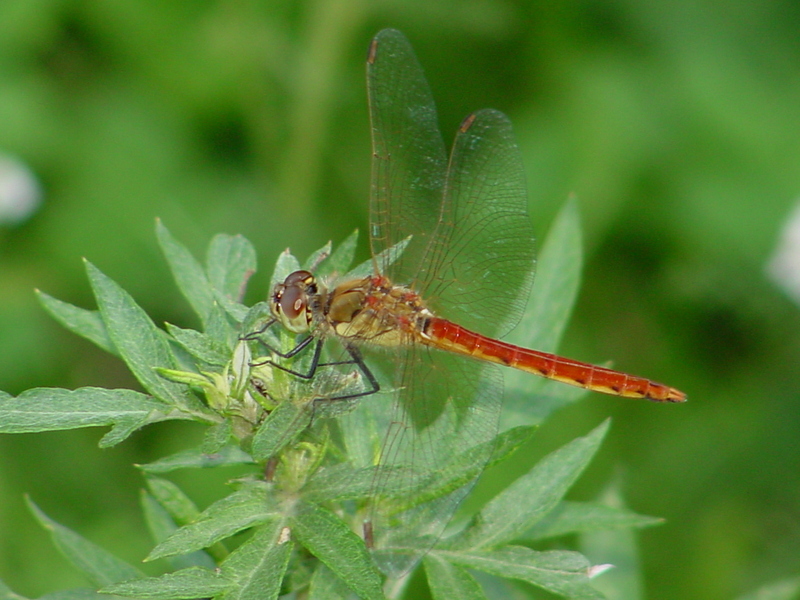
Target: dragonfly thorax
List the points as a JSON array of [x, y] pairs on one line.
[[375, 311]]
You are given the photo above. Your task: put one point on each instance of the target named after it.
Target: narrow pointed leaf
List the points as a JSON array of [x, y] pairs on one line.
[[161, 525], [285, 265], [100, 566], [231, 261], [242, 509], [188, 273], [219, 325], [140, 343], [465, 467], [200, 345], [318, 256], [181, 509], [195, 458], [216, 438], [341, 258], [259, 565], [340, 482], [560, 572], [582, 517], [385, 258], [86, 323], [179, 506], [532, 496], [327, 537], [447, 580], [282, 425], [325, 585], [53, 409], [194, 582]]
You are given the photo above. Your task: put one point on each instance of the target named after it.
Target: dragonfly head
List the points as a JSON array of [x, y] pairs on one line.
[[290, 301]]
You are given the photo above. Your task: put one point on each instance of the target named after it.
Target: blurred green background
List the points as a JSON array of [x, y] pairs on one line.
[[676, 123]]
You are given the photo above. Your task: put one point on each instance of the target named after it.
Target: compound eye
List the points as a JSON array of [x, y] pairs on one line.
[[292, 302], [304, 277]]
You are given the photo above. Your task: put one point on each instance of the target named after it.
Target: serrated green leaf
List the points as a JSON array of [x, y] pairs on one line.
[[328, 538], [466, 466], [285, 265], [235, 310], [200, 345], [341, 259], [785, 589], [448, 581], [259, 565], [216, 438], [194, 582], [242, 509], [122, 430], [282, 426], [187, 377], [101, 567], [161, 525], [231, 262], [53, 409], [509, 442], [140, 343], [386, 258], [564, 573], [581, 517], [86, 323], [317, 257], [325, 585], [340, 482], [556, 287], [179, 506], [181, 509], [532, 496], [188, 273], [219, 326], [195, 458]]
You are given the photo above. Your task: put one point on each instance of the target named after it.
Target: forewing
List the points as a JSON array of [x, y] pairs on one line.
[[408, 154]]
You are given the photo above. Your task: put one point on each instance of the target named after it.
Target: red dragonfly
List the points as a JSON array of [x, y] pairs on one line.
[[467, 255]]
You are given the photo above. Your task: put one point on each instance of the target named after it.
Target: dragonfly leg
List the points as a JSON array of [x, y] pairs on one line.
[[355, 359], [358, 361], [293, 352], [253, 335]]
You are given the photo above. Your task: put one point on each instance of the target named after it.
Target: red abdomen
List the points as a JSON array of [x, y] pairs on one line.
[[446, 335]]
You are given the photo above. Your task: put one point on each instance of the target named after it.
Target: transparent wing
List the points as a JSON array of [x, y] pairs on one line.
[[472, 249], [408, 154], [470, 256]]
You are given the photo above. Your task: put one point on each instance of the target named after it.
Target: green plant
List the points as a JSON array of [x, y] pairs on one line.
[[329, 456], [303, 514]]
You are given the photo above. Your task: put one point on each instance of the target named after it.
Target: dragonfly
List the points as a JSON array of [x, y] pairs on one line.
[[436, 307]]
